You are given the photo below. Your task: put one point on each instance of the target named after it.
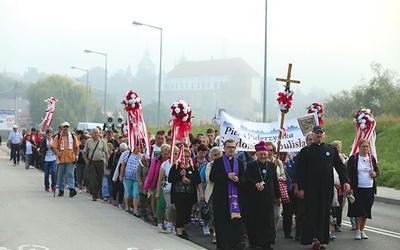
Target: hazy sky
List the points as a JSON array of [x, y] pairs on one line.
[[330, 43]]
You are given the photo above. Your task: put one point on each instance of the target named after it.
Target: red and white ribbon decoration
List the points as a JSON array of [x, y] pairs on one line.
[[285, 99], [365, 128], [181, 115], [135, 125], [317, 107], [51, 106]]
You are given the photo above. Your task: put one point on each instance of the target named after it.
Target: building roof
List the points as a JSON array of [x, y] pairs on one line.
[[219, 67]]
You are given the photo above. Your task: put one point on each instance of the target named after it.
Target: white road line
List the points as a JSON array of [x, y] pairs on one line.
[[377, 230]]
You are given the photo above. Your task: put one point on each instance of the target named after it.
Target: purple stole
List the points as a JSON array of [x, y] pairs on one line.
[[233, 200]]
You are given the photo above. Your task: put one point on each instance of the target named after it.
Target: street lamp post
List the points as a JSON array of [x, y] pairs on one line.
[[159, 73], [87, 91], [265, 67], [105, 80]]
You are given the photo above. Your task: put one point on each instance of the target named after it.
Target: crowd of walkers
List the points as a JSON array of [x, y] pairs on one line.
[[232, 195]]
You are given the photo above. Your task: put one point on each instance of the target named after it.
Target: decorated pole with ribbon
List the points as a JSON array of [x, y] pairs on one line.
[[181, 115], [285, 102], [317, 108], [51, 106], [365, 128], [135, 126]]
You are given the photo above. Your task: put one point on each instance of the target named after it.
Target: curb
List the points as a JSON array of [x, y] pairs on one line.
[[387, 200]]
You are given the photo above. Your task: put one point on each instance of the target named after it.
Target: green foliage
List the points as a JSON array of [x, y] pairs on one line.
[[386, 144], [71, 100], [381, 95]]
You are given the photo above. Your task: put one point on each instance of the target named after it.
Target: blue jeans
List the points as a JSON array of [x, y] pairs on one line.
[[68, 170], [49, 169], [106, 187]]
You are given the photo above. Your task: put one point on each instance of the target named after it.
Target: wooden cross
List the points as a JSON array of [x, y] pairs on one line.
[[288, 80], [287, 87]]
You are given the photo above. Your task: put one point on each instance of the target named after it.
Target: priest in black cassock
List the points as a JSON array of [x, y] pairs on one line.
[[227, 174], [315, 183], [263, 192]]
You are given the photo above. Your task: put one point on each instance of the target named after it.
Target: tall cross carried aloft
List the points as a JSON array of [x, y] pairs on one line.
[[286, 95]]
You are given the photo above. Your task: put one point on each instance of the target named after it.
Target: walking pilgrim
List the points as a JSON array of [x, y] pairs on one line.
[[262, 193], [227, 174]]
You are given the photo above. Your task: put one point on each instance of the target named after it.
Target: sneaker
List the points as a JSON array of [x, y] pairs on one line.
[[322, 246], [331, 236], [159, 226], [105, 199], [136, 214], [72, 192], [353, 223], [80, 191], [31, 167], [206, 230], [61, 193], [53, 189], [120, 206], [17, 162], [338, 228], [363, 235], [214, 240], [357, 235], [13, 164], [46, 189], [169, 230]]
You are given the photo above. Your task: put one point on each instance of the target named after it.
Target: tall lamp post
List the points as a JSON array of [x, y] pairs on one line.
[[87, 92], [159, 73], [105, 80], [265, 67]]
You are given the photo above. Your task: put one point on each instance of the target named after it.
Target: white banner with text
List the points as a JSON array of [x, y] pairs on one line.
[[246, 133]]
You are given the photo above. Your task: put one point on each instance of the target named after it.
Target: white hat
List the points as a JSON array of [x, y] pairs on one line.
[[15, 126], [65, 124]]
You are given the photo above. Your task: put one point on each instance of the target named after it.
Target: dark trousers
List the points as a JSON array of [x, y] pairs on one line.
[[288, 211], [183, 206], [145, 204], [300, 214], [118, 190], [15, 148], [96, 173]]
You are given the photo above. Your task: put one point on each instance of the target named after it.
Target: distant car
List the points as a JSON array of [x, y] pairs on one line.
[[89, 126]]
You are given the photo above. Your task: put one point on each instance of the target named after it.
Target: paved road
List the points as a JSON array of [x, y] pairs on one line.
[[31, 218]]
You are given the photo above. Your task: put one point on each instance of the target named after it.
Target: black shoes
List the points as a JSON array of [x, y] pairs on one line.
[[61, 193], [241, 245], [184, 235], [288, 236], [72, 192]]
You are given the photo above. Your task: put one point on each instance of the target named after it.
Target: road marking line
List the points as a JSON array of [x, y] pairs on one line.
[[377, 230]]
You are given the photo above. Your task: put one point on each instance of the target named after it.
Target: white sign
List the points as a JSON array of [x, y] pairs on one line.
[[6, 119], [246, 133]]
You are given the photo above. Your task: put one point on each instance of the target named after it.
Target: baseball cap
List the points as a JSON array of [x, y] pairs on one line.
[[318, 128], [65, 124]]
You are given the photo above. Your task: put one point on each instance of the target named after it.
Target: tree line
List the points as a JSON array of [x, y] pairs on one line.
[[381, 94]]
